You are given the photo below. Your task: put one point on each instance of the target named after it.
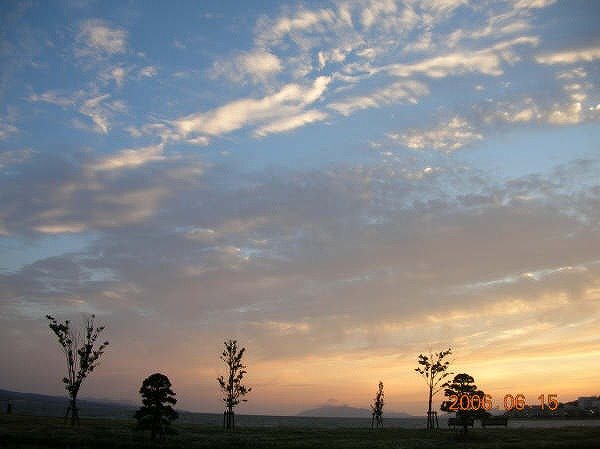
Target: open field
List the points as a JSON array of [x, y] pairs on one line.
[[28, 432]]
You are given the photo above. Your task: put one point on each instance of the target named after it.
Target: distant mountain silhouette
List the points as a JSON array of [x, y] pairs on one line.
[[345, 411], [46, 405]]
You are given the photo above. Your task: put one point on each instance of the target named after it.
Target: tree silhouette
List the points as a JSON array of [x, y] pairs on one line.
[[464, 384], [433, 369], [80, 355], [231, 386], [156, 412], [377, 408]]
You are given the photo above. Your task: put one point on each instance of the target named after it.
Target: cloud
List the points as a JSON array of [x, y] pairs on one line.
[[92, 104], [199, 140], [259, 66], [287, 102], [165, 132], [118, 74], [401, 91], [303, 20], [106, 208], [67, 228], [336, 55], [309, 40], [450, 136], [53, 97], [6, 129], [110, 210], [93, 108], [523, 111], [423, 44], [129, 158], [12, 157], [291, 122], [498, 25], [375, 9], [85, 193], [487, 61], [533, 4], [148, 71], [571, 103], [432, 244], [96, 38], [324, 218], [588, 54], [569, 115]]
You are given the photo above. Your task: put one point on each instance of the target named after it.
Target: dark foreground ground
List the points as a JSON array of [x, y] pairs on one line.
[[28, 432]]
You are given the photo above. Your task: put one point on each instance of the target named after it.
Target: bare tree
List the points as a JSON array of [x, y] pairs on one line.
[[80, 355], [231, 386], [433, 369], [377, 408]]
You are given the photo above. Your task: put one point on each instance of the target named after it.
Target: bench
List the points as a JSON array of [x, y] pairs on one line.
[[461, 422], [495, 421]]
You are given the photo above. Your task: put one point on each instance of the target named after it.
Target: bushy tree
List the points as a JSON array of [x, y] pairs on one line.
[[80, 355], [464, 384], [377, 408], [231, 385], [434, 370], [156, 412]]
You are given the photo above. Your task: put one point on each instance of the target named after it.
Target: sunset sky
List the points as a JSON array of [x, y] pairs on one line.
[[338, 185]]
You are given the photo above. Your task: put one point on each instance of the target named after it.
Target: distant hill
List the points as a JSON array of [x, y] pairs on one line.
[[344, 411], [46, 405]]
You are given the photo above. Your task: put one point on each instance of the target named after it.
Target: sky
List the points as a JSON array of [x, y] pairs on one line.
[[338, 185]]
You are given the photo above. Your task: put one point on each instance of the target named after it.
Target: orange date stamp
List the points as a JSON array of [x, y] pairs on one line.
[[510, 402]]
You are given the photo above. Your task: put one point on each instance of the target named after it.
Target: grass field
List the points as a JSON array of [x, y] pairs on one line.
[[28, 432]]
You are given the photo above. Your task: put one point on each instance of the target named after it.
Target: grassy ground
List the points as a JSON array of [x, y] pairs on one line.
[[28, 432]]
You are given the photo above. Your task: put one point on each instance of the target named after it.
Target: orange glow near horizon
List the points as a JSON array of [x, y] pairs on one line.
[[294, 385], [511, 349]]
